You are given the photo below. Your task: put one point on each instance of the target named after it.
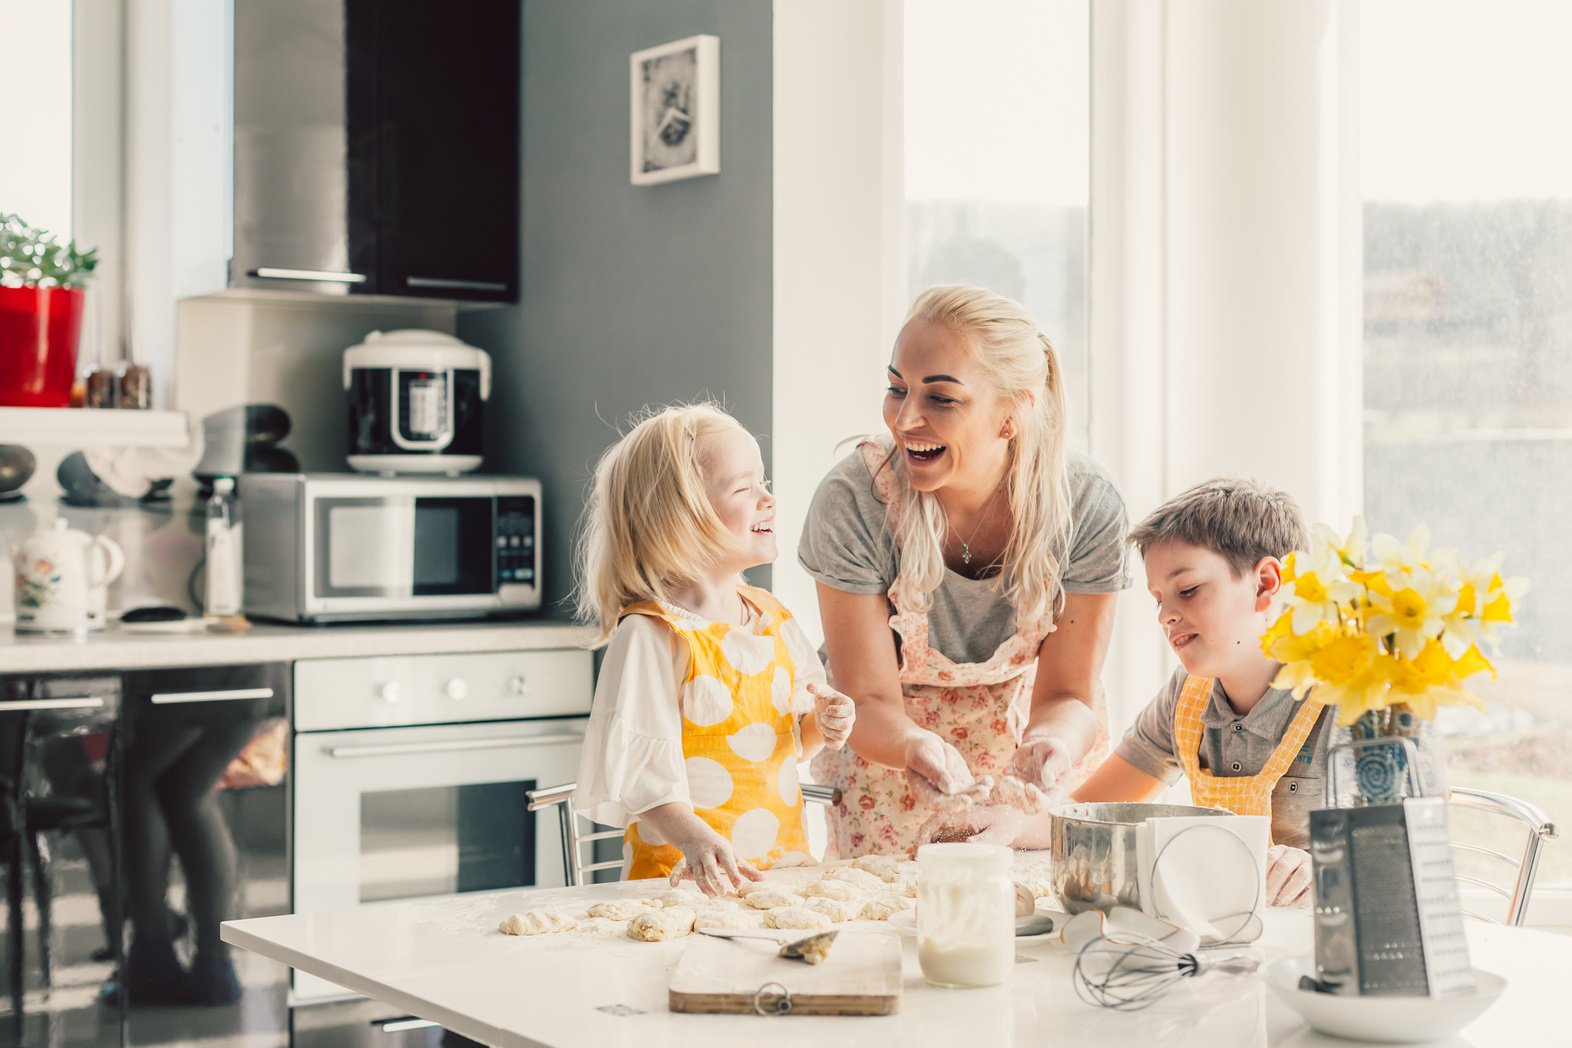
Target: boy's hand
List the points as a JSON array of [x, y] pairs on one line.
[[1289, 876], [1042, 762], [836, 714], [936, 769], [712, 863]]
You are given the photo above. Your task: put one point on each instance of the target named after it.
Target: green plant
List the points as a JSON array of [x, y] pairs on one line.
[[32, 257]]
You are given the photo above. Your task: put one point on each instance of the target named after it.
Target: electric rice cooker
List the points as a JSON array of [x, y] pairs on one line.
[[416, 403]]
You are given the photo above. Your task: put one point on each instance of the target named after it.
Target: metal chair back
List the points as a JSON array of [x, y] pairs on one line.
[[1537, 829]]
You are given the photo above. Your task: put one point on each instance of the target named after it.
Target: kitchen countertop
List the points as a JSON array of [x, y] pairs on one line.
[[442, 959], [121, 649]]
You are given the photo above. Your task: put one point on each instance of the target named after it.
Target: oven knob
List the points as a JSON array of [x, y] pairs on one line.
[[389, 692], [455, 689], [519, 685]]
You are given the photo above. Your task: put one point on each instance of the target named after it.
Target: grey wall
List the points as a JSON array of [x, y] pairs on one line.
[[631, 295]]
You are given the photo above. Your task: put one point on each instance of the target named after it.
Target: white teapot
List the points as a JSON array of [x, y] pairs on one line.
[[58, 571]]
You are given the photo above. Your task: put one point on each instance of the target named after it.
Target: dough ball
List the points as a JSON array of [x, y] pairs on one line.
[[883, 907], [679, 898], [797, 917], [838, 910], [851, 875], [672, 922], [732, 917], [536, 922], [828, 889], [884, 867], [623, 909], [772, 899]]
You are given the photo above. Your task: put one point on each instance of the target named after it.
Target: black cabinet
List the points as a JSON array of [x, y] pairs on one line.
[[377, 147]]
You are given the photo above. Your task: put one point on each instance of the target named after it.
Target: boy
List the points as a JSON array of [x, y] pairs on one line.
[[1214, 566]]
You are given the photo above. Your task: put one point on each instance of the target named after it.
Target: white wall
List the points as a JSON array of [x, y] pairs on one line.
[[840, 259]]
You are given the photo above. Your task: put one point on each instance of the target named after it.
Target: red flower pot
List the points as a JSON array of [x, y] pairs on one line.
[[39, 327]]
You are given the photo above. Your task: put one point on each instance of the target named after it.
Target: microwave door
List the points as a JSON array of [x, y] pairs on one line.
[[453, 546], [367, 547]]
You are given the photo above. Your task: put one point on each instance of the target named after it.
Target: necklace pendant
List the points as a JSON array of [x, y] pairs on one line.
[[966, 554]]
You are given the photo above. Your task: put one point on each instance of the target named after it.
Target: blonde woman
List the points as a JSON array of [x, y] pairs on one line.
[[967, 571], [709, 692]]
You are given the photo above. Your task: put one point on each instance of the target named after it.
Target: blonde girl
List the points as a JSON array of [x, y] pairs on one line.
[[709, 692]]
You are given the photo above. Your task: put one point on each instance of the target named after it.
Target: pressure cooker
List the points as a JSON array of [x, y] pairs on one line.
[[416, 403]]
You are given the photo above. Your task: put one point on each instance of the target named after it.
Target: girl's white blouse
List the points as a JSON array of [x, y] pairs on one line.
[[632, 759]]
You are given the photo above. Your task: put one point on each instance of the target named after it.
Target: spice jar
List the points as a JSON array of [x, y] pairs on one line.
[[136, 386], [965, 914]]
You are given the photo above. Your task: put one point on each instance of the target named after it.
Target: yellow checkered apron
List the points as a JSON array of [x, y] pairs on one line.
[[739, 742], [1240, 794]]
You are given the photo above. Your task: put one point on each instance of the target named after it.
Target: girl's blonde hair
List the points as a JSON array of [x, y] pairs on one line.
[[1019, 362], [648, 527]]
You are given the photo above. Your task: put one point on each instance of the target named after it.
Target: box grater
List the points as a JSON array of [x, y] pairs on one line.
[[1387, 917]]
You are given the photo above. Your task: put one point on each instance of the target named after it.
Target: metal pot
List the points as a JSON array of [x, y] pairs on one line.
[[1093, 851]]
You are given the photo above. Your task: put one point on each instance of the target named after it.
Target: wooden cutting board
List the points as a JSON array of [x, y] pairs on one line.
[[861, 976]]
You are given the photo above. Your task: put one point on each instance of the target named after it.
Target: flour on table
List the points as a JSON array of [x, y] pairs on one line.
[[536, 922]]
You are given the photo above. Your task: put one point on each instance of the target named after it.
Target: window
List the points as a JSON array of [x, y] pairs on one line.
[[35, 123], [997, 150], [1467, 169]]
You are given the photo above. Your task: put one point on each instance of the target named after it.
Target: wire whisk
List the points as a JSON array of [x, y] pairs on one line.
[[1129, 973]]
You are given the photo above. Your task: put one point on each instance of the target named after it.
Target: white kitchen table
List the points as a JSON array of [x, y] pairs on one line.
[[442, 959]]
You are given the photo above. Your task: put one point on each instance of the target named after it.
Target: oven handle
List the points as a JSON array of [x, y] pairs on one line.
[[399, 749], [83, 702], [232, 695]]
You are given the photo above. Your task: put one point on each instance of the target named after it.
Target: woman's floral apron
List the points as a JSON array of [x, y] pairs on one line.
[[981, 708]]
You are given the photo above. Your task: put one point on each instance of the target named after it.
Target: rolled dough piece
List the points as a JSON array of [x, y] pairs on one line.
[[851, 875], [623, 909], [536, 922], [731, 917], [797, 917], [837, 910], [772, 899], [884, 867], [673, 922], [828, 889]]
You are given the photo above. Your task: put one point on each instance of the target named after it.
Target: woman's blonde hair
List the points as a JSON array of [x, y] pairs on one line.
[[1019, 362], [648, 527]]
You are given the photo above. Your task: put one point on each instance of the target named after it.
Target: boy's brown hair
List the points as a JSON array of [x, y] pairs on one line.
[[1239, 520]]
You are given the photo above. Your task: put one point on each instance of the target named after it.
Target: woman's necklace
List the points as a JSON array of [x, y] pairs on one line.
[[966, 544]]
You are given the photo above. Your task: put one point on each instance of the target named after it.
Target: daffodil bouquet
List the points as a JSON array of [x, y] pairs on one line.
[[1389, 625]]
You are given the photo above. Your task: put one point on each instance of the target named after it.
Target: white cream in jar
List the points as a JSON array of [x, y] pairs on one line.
[[965, 914]]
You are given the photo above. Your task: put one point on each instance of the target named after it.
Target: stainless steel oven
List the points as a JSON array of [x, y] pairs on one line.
[[410, 774]]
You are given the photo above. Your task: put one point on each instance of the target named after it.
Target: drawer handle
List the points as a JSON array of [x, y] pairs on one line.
[[233, 695], [455, 285], [76, 702], [400, 749], [275, 273]]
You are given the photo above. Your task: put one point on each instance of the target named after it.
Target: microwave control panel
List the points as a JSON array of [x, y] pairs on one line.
[[516, 540]]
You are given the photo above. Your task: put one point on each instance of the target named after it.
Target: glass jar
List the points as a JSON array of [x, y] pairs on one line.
[[965, 914]]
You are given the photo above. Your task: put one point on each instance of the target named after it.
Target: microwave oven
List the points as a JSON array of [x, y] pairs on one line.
[[344, 547]]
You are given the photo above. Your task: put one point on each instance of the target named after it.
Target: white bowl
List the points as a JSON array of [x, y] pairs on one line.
[[1391, 1020]]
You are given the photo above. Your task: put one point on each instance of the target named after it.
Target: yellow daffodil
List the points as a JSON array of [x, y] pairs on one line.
[[1410, 608]]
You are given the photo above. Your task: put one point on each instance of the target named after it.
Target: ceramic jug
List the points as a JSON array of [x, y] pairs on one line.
[[58, 572]]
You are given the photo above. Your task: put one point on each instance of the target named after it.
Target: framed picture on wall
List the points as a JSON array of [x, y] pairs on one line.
[[676, 110]]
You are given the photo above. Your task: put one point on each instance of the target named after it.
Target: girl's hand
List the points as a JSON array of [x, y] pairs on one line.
[[836, 714], [712, 863], [935, 769], [1289, 876]]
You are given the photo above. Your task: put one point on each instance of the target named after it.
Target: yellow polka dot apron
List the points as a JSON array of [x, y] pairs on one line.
[[739, 740], [981, 708], [1240, 794]]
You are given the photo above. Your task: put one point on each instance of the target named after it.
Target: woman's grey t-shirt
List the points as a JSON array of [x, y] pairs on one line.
[[847, 545]]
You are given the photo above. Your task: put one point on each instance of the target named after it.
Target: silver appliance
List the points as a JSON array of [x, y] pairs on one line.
[[341, 547], [410, 771]]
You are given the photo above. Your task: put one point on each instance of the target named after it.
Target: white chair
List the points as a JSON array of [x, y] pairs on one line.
[[1537, 828], [576, 862]]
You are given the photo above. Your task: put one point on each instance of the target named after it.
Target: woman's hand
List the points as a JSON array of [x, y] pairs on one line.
[[986, 824], [836, 714], [711, 861], [1289, 876], [936, 769], [1042, 762]]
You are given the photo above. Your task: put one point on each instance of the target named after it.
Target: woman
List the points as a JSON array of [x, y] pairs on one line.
[[967, 572]]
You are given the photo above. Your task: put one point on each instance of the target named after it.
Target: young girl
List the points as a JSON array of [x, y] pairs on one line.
[[709, 692]]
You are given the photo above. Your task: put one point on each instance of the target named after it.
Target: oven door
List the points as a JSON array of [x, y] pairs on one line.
[[389, 550], [401, 813]]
